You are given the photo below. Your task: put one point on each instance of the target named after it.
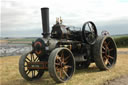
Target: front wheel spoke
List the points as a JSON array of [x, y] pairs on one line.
[[25, 65], [36, 59], [27, 72], [32, 57], [32, 74], [28, 59]]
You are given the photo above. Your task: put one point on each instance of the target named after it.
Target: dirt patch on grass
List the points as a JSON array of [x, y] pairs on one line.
[[122, 50], [118, 81], [123, 80]]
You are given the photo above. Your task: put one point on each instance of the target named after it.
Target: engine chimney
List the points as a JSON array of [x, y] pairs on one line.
[[45, 21]]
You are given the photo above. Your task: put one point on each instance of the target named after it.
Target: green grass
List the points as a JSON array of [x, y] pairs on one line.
[[10, 75], [21, 39]]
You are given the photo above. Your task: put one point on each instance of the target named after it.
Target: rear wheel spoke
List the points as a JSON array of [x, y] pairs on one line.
[[67, 66], [65, 73], [61, 73], [57, 63], [66, 58], [109, 62], [106, 61], [108, 43], [111, 49], [103, 47], [62, 56], [103, 52], [58, 57], [110, 57]]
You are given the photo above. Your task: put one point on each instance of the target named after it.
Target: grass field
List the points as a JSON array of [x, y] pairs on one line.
[[18, 40], [9, 73]]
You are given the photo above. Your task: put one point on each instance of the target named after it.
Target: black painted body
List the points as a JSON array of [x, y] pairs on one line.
[[62, 36]]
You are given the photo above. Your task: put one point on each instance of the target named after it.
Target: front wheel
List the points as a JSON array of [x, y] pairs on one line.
[[24, 68], [61, 64]]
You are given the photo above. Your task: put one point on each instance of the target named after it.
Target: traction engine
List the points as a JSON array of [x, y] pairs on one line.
[[66, 49]]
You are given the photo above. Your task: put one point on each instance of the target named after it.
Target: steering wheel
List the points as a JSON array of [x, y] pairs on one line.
[[89, 33]]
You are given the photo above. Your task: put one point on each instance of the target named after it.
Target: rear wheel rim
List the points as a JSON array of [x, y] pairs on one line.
[[63, 65]]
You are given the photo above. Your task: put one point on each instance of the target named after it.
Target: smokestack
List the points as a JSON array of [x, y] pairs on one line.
[[45, 21]]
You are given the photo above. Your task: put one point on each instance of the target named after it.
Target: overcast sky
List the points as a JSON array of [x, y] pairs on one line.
[[22, 18]]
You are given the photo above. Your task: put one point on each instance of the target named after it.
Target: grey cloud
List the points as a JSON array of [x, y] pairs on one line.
[[115, 27], [18, 17]]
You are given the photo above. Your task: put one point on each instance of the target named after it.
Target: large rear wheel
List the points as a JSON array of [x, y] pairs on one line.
[[61, 64], [105, 53]]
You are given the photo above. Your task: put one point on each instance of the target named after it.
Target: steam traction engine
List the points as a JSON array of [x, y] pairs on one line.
[[64, 50]]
